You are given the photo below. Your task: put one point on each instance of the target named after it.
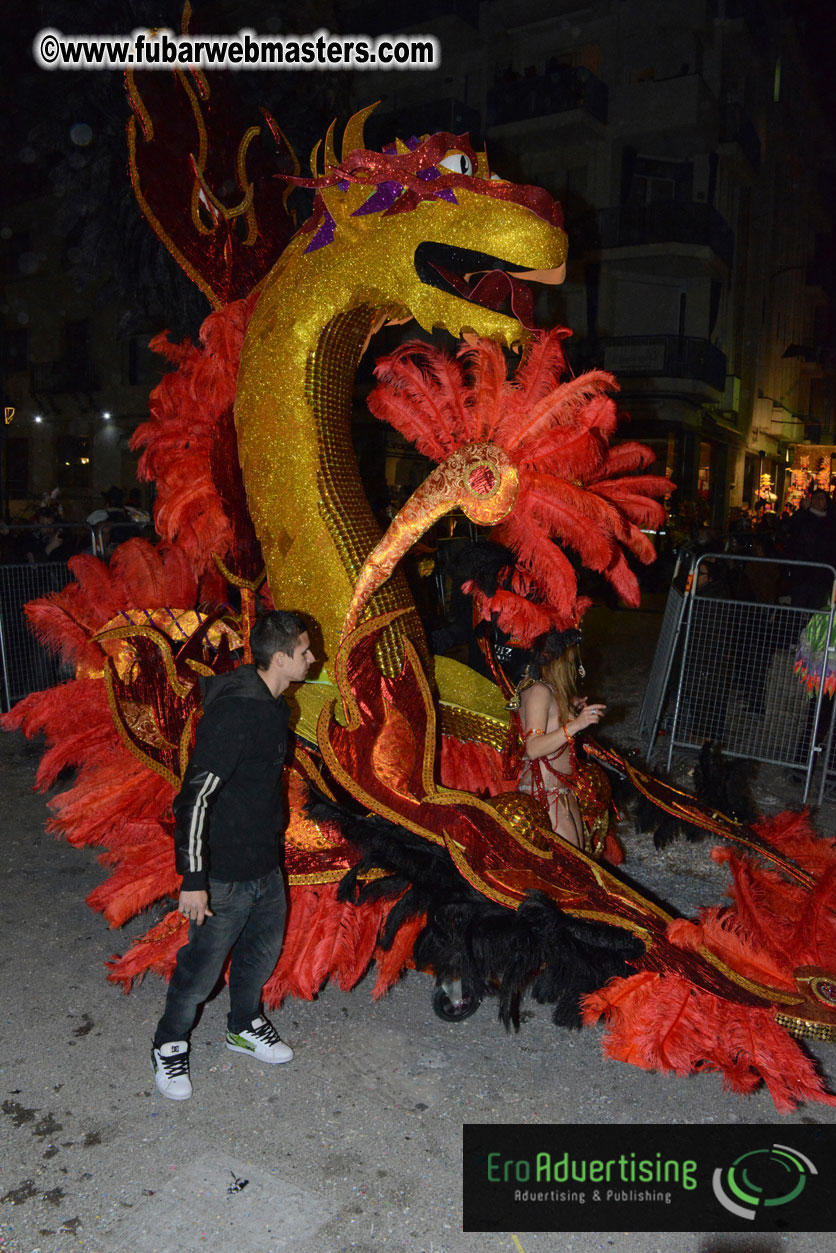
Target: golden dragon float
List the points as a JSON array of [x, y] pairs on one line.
[[407, 846]]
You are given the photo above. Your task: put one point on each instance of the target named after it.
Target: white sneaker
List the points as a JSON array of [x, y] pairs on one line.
[[171, 1070], [261, 1041]]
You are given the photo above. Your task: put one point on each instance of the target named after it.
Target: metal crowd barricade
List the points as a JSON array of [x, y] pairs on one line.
[[658, 682], [827, 661], [25, 665], [736, 682]]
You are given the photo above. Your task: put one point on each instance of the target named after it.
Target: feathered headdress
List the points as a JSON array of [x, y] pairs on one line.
[[555, 643]]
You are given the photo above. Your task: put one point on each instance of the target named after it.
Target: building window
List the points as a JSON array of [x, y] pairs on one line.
[[16, 350], [650, 189], [77, 339], [75, 463], [654, 181], [17, 465]]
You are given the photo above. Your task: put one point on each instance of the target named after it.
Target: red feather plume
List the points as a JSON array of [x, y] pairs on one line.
[[187, 441], [574, 491]]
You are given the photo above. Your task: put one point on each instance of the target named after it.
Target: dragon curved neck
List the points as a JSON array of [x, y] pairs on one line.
[[293, 415]]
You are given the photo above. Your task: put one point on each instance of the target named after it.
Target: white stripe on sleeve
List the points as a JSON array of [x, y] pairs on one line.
[[210, 785]]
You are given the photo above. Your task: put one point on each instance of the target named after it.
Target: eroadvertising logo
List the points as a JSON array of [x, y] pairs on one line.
[[768, 1177], [647, 1177]]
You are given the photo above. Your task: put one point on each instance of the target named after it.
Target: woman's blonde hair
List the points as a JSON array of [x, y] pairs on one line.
[[561, 674]]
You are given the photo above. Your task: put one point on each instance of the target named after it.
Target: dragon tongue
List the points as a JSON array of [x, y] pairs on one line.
[[491, 289], [494, 287]]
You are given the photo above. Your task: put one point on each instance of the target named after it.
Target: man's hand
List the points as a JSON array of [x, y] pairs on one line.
[[195, 906]]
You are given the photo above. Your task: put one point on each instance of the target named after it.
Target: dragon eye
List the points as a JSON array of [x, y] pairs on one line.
[[458, 162]]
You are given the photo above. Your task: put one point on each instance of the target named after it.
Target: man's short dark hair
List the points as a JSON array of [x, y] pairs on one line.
[[275, 632]]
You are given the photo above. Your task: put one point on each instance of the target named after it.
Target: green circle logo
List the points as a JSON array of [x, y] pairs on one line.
[[761, 1179]]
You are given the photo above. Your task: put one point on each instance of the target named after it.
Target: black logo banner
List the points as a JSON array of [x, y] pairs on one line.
[[649, 1177]]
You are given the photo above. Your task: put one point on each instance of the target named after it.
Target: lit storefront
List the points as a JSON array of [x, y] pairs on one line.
[[814, 465]]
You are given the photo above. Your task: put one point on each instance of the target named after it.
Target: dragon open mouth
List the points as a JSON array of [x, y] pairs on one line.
[[481, 278]]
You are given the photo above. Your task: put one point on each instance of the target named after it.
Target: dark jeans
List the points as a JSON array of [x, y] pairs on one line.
[[248, 917]]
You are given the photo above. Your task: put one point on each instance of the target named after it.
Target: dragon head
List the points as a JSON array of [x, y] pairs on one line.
[[425, 228], [421, 230]]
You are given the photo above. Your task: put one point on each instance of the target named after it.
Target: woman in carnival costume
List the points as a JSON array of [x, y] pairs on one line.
[[551, 714]]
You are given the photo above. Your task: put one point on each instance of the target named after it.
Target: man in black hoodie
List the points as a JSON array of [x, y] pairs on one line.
[[229, 815]]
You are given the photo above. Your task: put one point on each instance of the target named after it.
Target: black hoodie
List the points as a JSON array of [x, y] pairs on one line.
[[229, 809]]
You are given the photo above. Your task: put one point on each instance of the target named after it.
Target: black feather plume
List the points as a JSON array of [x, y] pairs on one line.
[[495, 951]]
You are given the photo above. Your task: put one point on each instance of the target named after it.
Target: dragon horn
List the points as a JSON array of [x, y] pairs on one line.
[[353, 134], [479, 479], [314, 158], [330, 158]]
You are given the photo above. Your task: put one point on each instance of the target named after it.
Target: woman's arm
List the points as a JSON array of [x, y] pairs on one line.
[[534, 715]]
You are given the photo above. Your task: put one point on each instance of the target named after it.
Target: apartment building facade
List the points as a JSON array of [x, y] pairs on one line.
[[691, 156], [687, 146]]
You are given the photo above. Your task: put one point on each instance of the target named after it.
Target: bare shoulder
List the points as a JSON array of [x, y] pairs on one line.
[[537, 693], [536, 685]]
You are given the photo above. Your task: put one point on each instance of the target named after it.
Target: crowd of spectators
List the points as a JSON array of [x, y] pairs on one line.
[[45, 534], [803, 534]]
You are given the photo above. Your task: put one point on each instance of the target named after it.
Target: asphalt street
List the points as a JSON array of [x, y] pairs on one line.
[[356, 1144]]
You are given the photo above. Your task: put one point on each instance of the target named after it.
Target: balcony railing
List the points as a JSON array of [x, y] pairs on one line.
[[538, 95], [50, 378], [667, 222], [659, 356]]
